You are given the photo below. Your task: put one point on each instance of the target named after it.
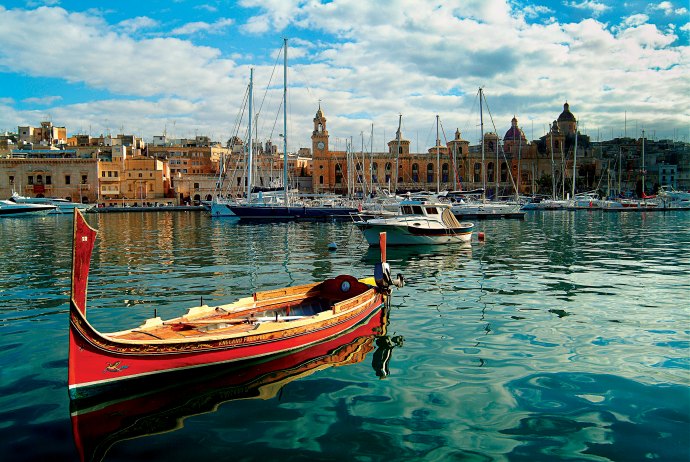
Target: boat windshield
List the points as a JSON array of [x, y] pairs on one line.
[[412, 210]]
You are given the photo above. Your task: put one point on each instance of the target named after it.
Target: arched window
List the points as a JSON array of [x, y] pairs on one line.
[[375, 172], [338, 174], [430, 173], [504, 172], [491, 145], [490, 172], [415, 173], [477, 172], [360, 178], [389, 167], [444, 173], [321, 179]]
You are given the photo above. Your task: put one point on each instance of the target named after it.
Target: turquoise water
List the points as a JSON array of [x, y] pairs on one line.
[[561, 337]]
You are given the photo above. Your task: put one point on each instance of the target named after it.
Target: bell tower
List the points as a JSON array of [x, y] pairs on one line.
[[319, 137]]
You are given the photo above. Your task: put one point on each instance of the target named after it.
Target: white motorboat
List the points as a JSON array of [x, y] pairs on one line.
[[416, 223], [13, 209], [58, 205]]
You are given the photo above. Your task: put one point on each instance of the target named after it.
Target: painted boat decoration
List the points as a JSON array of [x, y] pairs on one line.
[[268, 323], [163, 406]]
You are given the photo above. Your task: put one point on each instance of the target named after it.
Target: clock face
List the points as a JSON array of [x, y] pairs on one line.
[[320, 145]]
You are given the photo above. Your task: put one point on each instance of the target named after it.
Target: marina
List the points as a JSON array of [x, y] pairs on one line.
[[561, 335]]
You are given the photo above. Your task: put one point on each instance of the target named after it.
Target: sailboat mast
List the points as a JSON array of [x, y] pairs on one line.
[[643, 168], [397, 155], [285, 153], [371, 161], [481, 131], [438, 159], [553, 171], [250, 161], [575, 160]]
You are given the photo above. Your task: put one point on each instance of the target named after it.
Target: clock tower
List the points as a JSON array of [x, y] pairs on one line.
[[319, 137]]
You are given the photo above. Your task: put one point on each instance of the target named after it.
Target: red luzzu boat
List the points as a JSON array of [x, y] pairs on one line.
[[268, 323]]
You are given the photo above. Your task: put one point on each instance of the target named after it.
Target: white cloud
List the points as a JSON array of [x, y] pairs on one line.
[[194, 27], [595, 7], [44, 100], [533, 11], [668, 8], [635, 20], [138, 23]]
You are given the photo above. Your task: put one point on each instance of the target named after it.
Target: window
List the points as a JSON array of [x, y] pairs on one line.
[[140, 176], [84, 179], [103, 174], [338, 174], [31, 179], [115, 173], [39, 179], [49, 179], [444, 173], [430, 173], [490, 172], [415, 173], [504, 172], [477, 172], [321, 179], [196, 185], [67, 179], [11, 179]]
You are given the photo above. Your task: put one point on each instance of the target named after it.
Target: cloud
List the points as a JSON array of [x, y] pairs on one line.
[[194, 27], [595, 7], [138, 23], [668, 9], [534, 11], [45, 100], [635, 20]]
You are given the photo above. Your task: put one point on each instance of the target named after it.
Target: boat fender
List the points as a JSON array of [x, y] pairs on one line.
[[480, 236], [382, 275], [332, 246]]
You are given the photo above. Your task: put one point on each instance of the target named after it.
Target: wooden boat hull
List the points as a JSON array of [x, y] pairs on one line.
[[97, 360], [155, 406]]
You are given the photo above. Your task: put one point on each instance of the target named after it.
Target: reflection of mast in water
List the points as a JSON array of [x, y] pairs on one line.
[[384, 352]]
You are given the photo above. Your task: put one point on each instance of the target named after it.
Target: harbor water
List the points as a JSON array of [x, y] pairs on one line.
[[565, 336]]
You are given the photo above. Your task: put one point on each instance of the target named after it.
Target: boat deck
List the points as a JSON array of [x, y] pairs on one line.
[[224, 323]]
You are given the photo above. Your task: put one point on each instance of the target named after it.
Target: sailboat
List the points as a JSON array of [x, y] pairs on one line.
[[470, 207], [251, 210]]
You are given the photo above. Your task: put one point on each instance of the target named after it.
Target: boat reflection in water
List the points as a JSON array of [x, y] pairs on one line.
[[161, 405]]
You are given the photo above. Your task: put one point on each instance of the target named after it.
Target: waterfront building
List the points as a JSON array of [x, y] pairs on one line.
[[343, 172], [50, 173]]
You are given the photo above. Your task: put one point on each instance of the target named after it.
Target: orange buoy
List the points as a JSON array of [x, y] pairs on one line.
[[480, 236]]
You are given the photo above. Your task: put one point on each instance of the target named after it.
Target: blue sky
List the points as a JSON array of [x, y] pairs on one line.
[[182, 67]]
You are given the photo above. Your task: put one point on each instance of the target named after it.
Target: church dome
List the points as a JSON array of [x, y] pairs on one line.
[[566, 115], [514, 133]]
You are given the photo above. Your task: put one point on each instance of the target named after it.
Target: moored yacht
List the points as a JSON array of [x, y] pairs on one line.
[[56, 204], [13, 209], [417, 223]]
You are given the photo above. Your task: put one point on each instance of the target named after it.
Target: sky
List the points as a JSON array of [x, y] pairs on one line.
[[181, 68]]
